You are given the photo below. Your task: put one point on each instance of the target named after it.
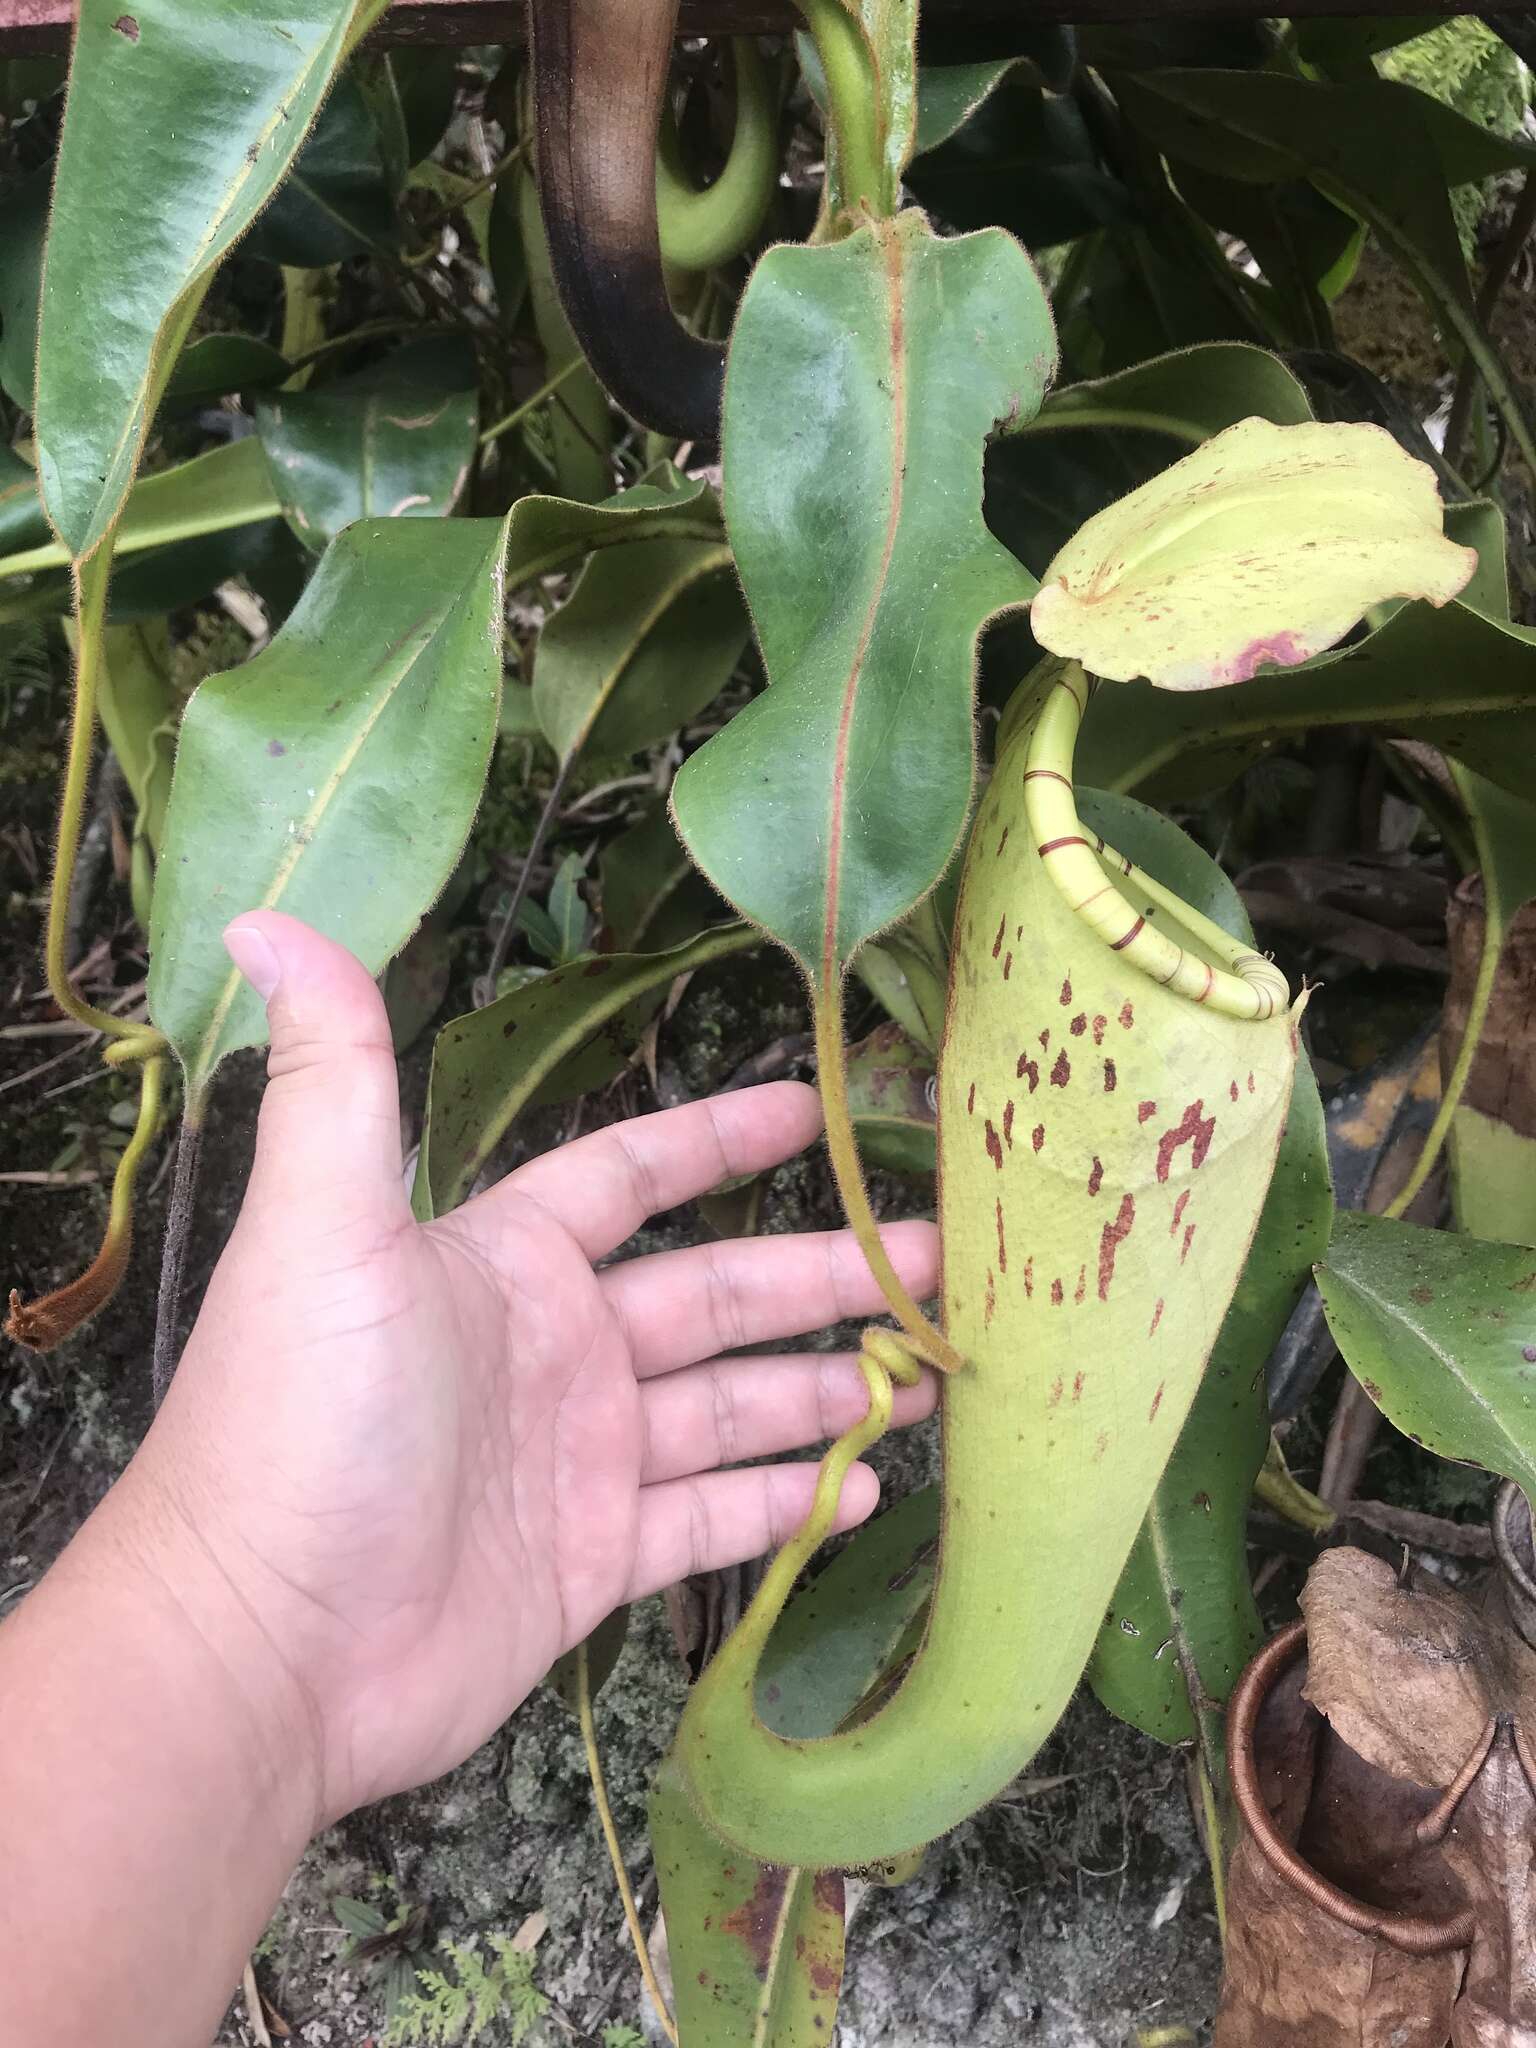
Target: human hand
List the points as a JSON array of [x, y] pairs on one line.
[[424, 1461]]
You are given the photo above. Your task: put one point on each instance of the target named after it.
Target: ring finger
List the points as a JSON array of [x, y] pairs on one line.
[[735, 1408]]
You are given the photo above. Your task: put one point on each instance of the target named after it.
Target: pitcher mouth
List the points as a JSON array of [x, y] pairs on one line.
[[1209, 966], [1415, 1934]]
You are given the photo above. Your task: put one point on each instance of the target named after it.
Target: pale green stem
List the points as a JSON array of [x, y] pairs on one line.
[[91, 579], [1289, 1498], [853, 109], [1210, 1808], [1455, 1087], [611, 1837], [842, 1148], [1066, 420], [529, 405]]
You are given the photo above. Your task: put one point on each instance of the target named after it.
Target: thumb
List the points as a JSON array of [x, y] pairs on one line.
[[329, 1131]]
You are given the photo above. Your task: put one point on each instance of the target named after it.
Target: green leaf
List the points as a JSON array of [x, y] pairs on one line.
[[395, 441], [844, 1632], [948, 95], [22, 525], [604, 1648], [227, 487], [1189, 395], [336, 201], [22, 229], [1379, 149], [652, 894], [139, 713], [647, 638], [1022, 159], [1492, 1161], [893, 1094], [907, 972], [569, 1031], [426, 80], [227, 89], [578, 421], [1458, 678], [546, 533], [302, 782], [504, 249], [568, 914], [835, 800], [1440, 1330], [1306, 246], [757, 1952], [216, 364], [360, 1917]]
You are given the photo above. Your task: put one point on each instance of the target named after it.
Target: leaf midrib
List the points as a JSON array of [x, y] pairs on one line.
[[1395, 1316], [303, 836], [831, 912], [136, 424]]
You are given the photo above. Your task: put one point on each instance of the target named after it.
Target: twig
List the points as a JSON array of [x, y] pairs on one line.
[[1424, 1532], [47, 1066], [1513, 240], [84, 1178], [253, 2011], [485, 987], [58, 1027], [173, 1258], [773, 1060], [611, 1837], [545, 390]]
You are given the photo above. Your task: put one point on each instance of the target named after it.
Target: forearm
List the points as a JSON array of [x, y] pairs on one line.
[[154, 1789]]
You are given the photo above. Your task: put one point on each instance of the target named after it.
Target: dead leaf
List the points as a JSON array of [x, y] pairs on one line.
[[1408, 1677]]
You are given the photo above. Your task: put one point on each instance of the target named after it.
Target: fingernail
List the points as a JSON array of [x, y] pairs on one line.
[[253, 954]]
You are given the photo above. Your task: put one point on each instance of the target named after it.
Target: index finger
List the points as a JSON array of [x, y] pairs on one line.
[[603, 1187]]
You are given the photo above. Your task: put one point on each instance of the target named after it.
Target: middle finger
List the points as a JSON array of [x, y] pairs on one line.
[[678, 1307]]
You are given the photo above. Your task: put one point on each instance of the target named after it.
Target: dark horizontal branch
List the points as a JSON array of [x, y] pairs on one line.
[[34, 27]]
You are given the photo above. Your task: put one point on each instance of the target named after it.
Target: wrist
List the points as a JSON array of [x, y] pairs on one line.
[[202, 1654]]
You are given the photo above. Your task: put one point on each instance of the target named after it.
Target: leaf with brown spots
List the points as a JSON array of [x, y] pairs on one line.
[[1437, 1328], [757, 1952], [553, 1038]]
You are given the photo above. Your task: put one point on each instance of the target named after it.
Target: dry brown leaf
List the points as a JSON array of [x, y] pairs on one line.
[[1408, 1678]]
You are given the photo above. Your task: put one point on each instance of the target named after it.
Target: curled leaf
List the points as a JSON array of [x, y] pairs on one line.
[[1260, 549]]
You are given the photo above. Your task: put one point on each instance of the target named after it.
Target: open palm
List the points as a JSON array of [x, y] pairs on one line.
[[431, 1458]]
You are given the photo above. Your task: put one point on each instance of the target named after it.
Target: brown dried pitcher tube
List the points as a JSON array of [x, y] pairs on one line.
[[1412, 1933]]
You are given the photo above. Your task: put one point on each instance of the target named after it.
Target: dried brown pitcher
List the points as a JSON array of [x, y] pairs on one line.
[[1383, 1757]]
